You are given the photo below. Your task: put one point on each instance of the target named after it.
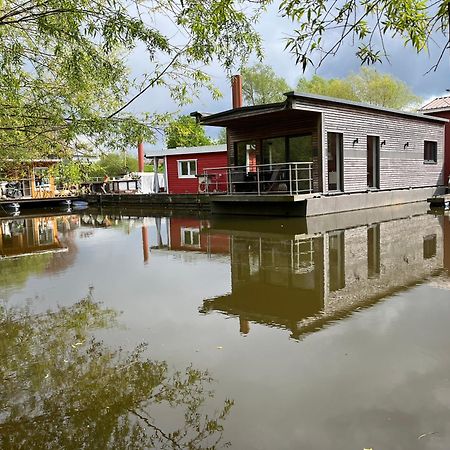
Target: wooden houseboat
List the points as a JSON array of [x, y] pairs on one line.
[[312, 155], [31, 179]]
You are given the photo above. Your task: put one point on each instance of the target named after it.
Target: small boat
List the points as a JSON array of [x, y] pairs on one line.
[[14, 206], [79, 205]]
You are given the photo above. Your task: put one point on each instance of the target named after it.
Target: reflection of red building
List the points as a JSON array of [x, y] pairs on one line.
[[189, 234]]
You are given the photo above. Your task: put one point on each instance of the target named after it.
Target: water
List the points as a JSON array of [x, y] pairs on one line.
[[326, 333]]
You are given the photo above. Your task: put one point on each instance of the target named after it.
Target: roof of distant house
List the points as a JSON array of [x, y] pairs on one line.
[[186, 150], [437, 104]]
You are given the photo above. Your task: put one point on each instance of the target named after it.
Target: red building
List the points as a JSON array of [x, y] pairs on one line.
[[184, 168], [440, 107]]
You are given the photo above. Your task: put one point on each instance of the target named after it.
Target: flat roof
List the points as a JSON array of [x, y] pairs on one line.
[[210, 119], [186, 150]]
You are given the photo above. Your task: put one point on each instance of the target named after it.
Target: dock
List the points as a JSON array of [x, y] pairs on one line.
[[7, 205]]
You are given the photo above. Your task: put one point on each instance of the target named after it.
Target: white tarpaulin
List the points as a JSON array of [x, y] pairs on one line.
[[148, 183]]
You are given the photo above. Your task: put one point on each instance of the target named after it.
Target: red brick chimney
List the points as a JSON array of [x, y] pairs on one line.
[[236, 90]]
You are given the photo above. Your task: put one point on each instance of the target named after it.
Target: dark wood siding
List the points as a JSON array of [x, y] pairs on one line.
[[277, 124]]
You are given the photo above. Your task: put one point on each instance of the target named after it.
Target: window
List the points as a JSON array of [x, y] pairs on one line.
[[190, 237], [245, 155], [373, 251], [430, 152], [429, 246], [373, 162], [335, 161], [187, 169]]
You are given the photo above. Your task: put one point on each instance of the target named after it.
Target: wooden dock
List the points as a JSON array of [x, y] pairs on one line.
[[34, 203]]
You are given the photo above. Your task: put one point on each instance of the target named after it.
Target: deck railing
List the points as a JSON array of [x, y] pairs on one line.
[[261, 179]]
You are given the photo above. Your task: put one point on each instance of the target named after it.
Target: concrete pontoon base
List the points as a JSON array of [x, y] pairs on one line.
[[317, 204]]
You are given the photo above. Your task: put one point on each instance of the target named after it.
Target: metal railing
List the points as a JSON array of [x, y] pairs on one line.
[[261, 179]]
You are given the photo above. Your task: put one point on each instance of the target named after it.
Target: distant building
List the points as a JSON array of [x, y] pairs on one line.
[[184, 167], [440, 107]]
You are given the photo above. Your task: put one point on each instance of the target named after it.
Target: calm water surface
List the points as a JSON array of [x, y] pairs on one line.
[[327, 333]]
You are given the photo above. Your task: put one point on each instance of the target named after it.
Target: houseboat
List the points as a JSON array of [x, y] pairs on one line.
[[312, 155], [184, 168]]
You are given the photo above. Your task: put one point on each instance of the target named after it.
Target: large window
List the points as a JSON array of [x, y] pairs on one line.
[[300, 148], [245, 155], [274, 150], [187, 168], [430, 152], [287, 149]]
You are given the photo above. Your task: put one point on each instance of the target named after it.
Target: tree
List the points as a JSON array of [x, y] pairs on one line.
[[186, 132], [62, 388], [63, 71], [222, 136], [324, 27], [261, 85], [368, 86]]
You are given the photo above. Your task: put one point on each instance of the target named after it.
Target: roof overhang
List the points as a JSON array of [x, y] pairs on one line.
[[223, 118], [299, 102]]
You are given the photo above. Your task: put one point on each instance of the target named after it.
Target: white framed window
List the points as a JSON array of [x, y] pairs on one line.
[[187, 168], [190, 237]]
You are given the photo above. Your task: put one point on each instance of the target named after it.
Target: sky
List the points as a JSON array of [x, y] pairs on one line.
[[405, 64]]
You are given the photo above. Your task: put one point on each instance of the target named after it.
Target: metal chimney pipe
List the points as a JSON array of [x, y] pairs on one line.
[[140, 157], [236, 90]]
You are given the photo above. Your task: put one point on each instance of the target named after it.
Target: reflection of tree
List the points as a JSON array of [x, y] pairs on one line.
[[61, 388], [15, 272]]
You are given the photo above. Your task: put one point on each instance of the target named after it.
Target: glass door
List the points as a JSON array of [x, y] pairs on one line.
[[335, 162], [373, 162]]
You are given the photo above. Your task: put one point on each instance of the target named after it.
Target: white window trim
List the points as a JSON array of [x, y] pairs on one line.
[[179, 161], [191, 231]]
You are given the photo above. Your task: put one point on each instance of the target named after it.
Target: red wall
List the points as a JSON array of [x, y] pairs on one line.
[[445, 115], [190, 185], [215, 243]]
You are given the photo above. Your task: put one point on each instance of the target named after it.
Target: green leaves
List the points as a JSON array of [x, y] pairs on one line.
[[64, 72], [260, 85], [185, 132], [367, 86], [364, 22]]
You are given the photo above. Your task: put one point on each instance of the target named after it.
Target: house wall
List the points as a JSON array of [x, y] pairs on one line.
[[400, 167], [178, 185], [278, 124], [445, 115]]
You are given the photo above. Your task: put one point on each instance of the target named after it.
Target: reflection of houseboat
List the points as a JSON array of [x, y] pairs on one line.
[[302, 282], [29, 236]]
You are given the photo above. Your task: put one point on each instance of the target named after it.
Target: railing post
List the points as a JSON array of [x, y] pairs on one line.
[[206, 181], [290, 178], [310, 178], [228, 180], [257, 180]]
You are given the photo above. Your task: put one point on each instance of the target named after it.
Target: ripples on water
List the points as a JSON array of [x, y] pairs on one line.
[[329, 332]]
